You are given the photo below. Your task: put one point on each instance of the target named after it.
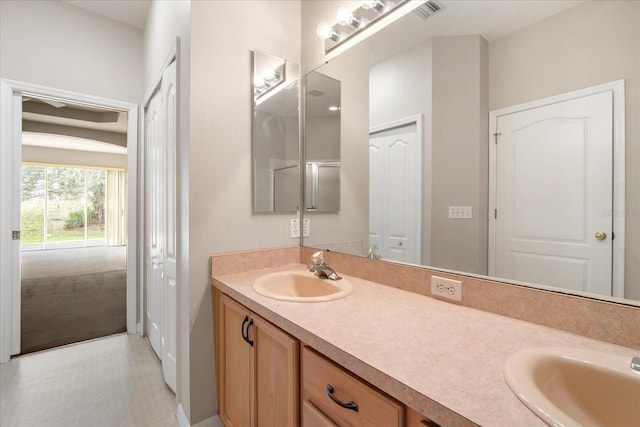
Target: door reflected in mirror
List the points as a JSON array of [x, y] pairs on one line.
[[463, 71], [275, 136]]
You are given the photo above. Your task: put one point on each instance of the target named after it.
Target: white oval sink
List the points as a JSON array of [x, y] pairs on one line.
[[576, 387], [301, 286]]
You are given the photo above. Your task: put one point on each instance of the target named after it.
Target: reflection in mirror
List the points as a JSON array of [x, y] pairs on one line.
[[532, 67], [276, 176], [322, 143]]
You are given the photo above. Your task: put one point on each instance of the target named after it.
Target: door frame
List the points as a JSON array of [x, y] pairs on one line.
[[617, 87], [10, 140], [423, 215]]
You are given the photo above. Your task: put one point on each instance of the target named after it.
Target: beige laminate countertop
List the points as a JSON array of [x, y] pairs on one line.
[[413, 347]]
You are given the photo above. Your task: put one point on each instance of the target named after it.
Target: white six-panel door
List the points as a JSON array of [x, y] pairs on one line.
[[160, 220], [554, 195], [154, 193], [394, 193], [170, 347]]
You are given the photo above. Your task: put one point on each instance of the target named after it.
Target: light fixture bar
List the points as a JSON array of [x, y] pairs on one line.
[[352, 23]]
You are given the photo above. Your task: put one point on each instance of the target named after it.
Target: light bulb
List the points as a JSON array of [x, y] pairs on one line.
[[344, 16], [323, 30], [377, 5], [268, 75]]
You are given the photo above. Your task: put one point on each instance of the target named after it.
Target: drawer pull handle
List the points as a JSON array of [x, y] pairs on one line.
[[349, 405], [244, 322], [249, 340]]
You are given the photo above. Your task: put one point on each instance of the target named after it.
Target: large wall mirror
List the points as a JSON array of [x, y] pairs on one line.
[[275, 134], [425, 180]]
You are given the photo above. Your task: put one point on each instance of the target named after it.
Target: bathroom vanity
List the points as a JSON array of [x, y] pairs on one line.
[[401, 358]]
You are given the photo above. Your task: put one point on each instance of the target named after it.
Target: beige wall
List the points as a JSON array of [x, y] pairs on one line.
[[223, 33], [460, 147], [54, 44], [591, 44]]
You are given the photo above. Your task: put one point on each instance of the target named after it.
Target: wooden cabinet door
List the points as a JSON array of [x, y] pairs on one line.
[[235, 367], [276, 375]]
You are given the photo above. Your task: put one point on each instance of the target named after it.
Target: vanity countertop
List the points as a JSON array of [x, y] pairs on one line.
[[417, 349]]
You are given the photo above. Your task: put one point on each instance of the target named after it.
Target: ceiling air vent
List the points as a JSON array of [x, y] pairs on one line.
[[315, 92], [428, 8]]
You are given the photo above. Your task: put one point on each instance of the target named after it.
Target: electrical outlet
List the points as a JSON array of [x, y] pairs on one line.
[[460, 212], [306, 227], [446, 288], [294, 228]]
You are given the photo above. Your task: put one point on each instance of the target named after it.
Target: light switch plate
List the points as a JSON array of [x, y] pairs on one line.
[[460, 212]]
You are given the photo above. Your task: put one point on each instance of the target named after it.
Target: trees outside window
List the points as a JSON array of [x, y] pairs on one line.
[[62, 204]]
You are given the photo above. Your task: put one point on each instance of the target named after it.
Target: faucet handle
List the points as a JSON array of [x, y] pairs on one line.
[[318, 258]]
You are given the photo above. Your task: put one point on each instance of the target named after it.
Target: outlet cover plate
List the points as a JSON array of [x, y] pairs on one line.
[[294, 228], [446, 288]]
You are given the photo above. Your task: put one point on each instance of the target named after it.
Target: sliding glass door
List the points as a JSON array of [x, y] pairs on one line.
[[63, 207]]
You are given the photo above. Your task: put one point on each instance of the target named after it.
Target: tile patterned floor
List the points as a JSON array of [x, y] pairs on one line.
[[108, 382]]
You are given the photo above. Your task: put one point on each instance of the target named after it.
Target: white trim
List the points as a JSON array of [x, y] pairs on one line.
[[418, 121], [10, 100], [181, 417], [617, 87], [183, 421]]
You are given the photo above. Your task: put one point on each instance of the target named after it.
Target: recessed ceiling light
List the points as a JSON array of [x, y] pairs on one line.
[[334, 108]]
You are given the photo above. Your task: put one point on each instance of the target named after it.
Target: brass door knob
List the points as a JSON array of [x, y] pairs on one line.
[[600, 235]]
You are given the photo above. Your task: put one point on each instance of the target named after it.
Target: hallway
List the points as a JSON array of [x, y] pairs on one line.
[[108, 382]]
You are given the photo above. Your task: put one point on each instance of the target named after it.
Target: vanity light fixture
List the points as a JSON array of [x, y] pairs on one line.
[[351, 23], [377, 5], [268, 80]]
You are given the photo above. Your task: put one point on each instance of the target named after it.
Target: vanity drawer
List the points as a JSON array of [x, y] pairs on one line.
[[374, 408]]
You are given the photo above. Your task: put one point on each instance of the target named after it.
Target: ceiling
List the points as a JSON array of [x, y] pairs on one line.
[[131, 12]]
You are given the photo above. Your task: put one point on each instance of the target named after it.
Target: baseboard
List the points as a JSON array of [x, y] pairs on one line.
[[182, 417], [209, 422]]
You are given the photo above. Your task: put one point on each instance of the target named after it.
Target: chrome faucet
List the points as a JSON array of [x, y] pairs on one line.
[[635, 364], [320, 268]]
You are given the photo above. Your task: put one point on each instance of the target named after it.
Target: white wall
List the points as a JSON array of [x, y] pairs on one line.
[[587, 45], [54, 44], [223, 33]]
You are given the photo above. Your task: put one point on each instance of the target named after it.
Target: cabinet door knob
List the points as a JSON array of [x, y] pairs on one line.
[[348, 405]]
